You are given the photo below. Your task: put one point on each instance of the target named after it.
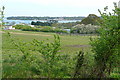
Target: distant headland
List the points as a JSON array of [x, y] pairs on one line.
[[44, 18]]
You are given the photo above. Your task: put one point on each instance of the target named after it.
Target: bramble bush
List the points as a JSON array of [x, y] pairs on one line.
[[85, 29], [107, 46], [39, 58]]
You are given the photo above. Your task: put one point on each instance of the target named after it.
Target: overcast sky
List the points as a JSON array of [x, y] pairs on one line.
[[55, 7]]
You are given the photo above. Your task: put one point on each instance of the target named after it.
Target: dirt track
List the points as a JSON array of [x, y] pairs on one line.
[[78, 46], [26, 33]]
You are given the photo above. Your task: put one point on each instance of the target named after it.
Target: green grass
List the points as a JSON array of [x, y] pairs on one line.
[[69, 45], [12, 67]]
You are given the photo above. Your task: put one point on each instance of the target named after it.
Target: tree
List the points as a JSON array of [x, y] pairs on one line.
[[32, 23], [91, 19], [107, 46], [1, 23], [2, 15]]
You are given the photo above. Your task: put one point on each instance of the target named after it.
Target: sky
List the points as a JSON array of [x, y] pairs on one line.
[[55, 8]]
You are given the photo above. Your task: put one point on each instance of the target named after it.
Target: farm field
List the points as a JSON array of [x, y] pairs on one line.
[[14, 65], [69, 45]]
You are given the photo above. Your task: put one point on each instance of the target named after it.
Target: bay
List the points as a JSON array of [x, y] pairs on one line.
[[29, 21]]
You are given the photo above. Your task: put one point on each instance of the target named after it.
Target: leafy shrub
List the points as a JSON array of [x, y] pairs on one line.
[[85, 29], [115, 75], [30, 29], [64, 25], [37, 58], [46, 29], [21, 26], [107, 46], [39, 28]]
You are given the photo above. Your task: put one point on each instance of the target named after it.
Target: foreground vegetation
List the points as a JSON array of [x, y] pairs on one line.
[[12, 55], [21, 54]]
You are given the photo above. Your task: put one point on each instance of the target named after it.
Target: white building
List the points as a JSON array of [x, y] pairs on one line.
[[8, 27], [53, 27], [31, 25], [119, 4], [68, 30]]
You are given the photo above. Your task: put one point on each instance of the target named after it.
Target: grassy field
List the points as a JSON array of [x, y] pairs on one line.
[[69, 45]]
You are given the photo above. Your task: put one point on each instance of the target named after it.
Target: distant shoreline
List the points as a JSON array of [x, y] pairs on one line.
[[29, 21], [44, 18]]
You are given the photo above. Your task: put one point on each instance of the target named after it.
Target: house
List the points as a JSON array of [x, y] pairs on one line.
[[8, 27], [68, 30], [31, 25], [54, 27]]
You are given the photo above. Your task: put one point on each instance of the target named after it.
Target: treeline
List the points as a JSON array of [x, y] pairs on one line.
[[41, 23], [39, 29], [44, 18], [48, 23]]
